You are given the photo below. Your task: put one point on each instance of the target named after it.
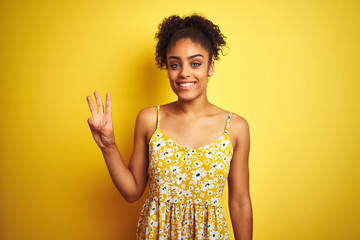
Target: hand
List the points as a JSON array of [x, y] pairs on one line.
[[101, 125]]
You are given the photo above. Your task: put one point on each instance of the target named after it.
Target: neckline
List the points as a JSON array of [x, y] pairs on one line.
[[191, 149]]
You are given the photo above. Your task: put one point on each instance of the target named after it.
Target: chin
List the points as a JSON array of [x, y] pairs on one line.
[[188, 97]]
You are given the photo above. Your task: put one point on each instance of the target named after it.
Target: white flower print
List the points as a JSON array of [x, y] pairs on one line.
[[166, 154], [207, 185], [224, 143], [214, 200], [183, 185], [164, 188], [198, 174], [175, 169], [180, 177], [220, 166], [214, 235], [198, 163], [211, 227], [158, 144], [210, 153], [201, 232]]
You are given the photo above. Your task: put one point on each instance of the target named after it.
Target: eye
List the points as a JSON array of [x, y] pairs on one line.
[[195, 64], [174, 65]]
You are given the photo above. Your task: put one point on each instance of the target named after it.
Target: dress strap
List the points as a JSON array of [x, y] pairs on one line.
[[158, 116], [227, 123]]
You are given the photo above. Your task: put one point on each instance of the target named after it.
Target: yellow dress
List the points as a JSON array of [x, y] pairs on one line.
[[185, 188]]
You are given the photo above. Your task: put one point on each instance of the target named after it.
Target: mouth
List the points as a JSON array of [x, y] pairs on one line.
[[185, 85]]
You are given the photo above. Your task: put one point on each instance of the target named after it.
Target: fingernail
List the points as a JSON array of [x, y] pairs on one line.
[[96, 125]]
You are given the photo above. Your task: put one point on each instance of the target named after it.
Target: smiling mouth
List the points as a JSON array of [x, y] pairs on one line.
[[186, 84]]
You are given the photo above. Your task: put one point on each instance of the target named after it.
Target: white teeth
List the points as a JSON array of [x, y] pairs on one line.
[[186, 84]]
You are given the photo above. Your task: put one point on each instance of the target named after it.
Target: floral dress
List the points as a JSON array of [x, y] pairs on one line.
[[185, 188]]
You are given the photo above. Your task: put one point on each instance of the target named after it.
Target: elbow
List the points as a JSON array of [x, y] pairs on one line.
[[131, 198], [131, 194], [128, 195], [240, 205]]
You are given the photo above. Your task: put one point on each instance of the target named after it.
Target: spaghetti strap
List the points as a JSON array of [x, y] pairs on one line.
[[227, 123], [158, 116]]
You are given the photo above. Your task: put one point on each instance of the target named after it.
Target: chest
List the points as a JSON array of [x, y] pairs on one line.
[[169, 158], [193, 133]]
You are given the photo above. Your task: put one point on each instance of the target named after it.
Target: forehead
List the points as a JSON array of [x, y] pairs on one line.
[[186, 47]]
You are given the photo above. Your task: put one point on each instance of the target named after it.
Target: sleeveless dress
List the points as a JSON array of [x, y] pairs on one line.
[[185, 188]]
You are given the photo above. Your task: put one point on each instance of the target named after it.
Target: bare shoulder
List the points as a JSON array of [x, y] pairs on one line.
[[148, 112], [238, 122], [146, 121], [239, 130], [147, 116]]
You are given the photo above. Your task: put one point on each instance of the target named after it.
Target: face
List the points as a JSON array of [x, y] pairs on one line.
[[188, 69]]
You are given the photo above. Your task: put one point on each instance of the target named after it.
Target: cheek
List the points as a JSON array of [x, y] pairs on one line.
[[203, 73], [171, 77], [170, 73]]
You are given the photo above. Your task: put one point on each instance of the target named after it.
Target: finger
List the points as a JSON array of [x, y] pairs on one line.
[[93, 124], [99, 103], [91, 106], [108, 104]]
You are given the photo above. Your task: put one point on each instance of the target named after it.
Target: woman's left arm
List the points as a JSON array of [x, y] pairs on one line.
[[238, 180]]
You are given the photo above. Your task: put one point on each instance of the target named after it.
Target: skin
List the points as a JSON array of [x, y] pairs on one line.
[[188, 62]]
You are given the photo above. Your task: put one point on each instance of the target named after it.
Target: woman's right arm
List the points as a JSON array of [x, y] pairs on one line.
[[130, 181]]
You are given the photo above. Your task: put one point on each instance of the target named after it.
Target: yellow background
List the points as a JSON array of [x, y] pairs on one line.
[[292, 71]]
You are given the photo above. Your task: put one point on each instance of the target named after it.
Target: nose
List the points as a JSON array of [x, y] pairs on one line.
[[185, 72]]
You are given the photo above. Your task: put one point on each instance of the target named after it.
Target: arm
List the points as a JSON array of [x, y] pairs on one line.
[[130, 181], [239, 196]]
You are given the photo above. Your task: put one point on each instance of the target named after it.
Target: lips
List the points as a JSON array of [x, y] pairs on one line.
[[185, 85]]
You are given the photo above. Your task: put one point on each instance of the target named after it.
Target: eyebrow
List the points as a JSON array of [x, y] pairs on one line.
[[193, 56]]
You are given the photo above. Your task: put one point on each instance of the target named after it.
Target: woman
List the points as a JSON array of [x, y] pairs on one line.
[[185, 149]]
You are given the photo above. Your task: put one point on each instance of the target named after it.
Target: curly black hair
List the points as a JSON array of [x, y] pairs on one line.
[[195, 27]]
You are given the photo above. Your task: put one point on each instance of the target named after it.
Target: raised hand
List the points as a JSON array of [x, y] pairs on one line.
[[101, 125]]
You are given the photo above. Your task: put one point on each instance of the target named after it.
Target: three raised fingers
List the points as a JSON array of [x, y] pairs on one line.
[[100, 105]]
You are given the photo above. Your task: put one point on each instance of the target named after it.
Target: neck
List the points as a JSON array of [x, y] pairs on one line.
[[195, 107]]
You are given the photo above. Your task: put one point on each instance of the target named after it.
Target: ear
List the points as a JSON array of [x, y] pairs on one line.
[[211, 69]]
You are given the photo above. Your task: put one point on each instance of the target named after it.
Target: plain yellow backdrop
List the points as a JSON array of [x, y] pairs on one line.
[[292, 70]]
